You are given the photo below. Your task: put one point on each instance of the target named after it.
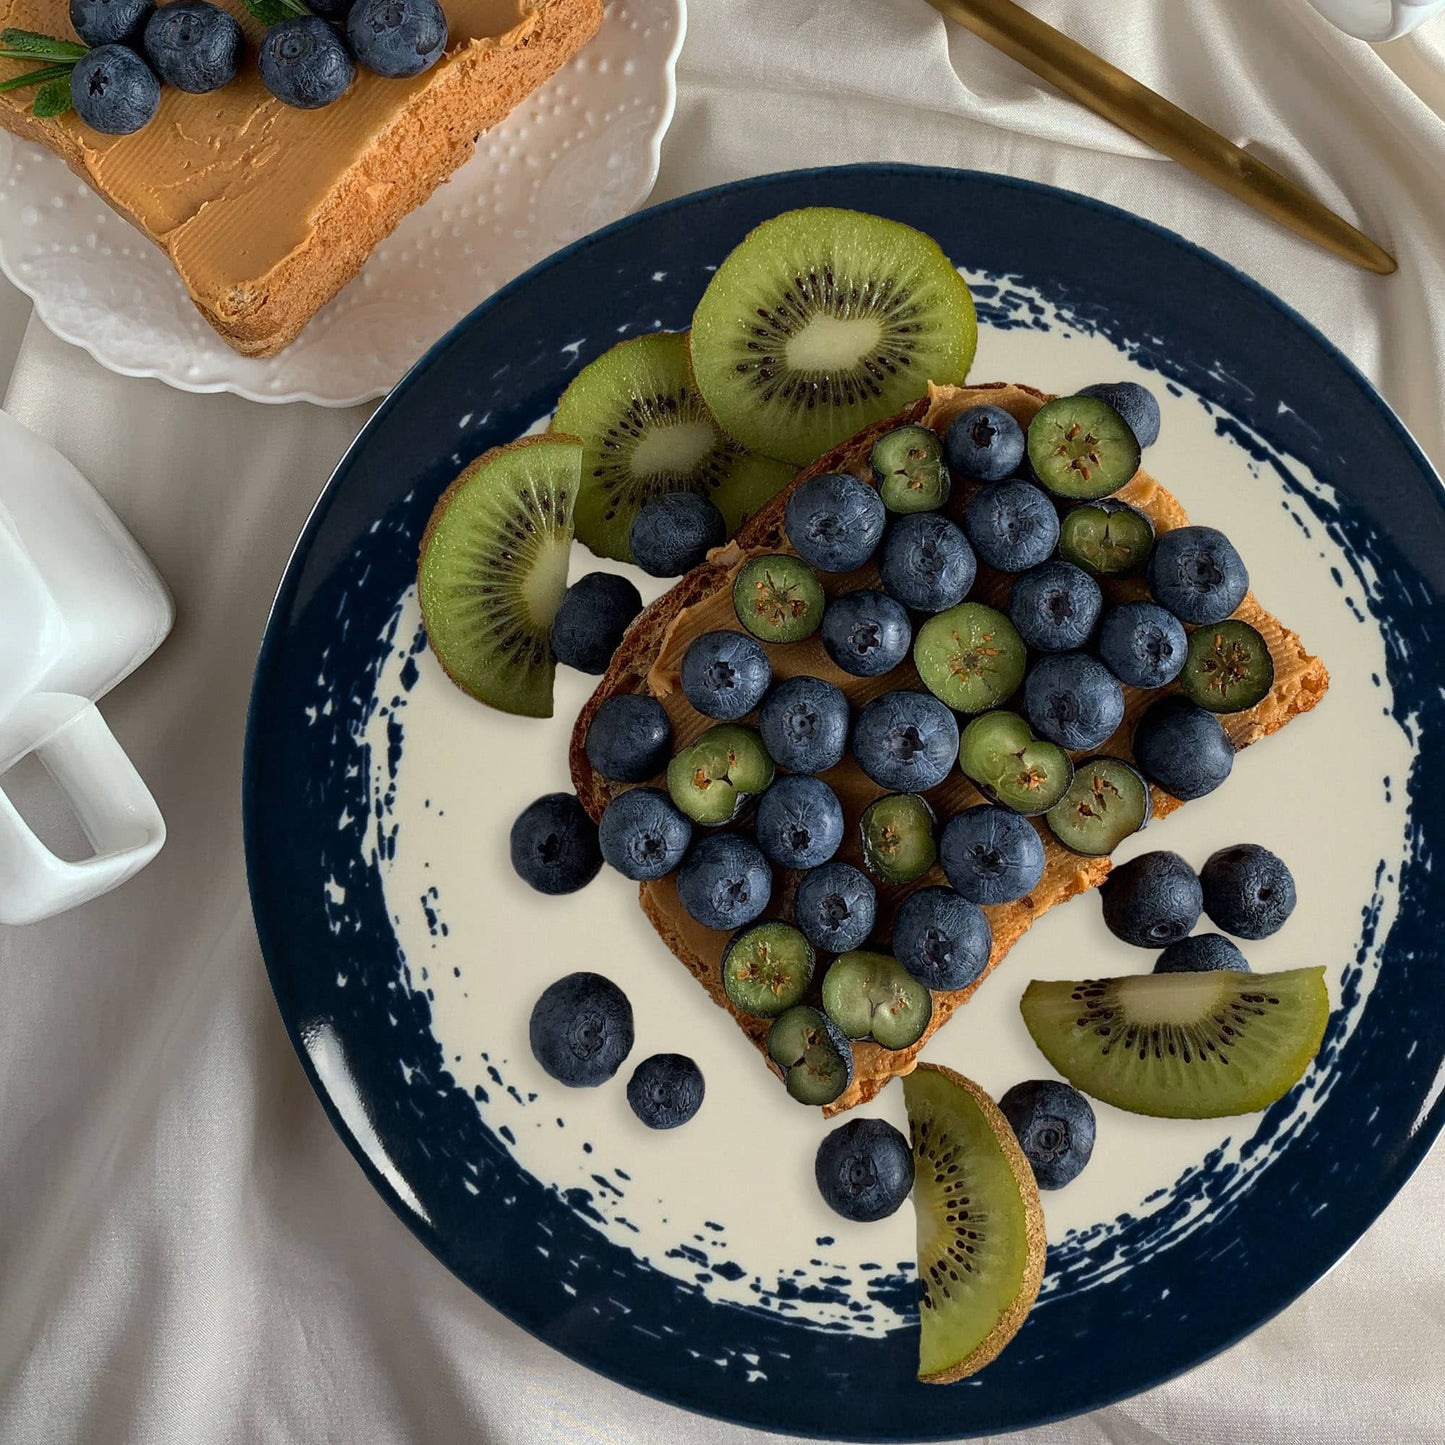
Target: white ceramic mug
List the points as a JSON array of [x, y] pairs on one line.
[[1378, 20], [80, 608]]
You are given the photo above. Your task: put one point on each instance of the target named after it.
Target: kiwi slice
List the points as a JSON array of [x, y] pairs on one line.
[[981, 1242], [813, 1053], [908, 470], [871, 995], [824, 321], [1182, 1045], [767, 968], [712, 780], [778, 598], [648, 432], [493, 569], [1080, 447], [1107, 801], [898, 841], [999, 752], [970, 657], [1108, 538], [1228, 667]]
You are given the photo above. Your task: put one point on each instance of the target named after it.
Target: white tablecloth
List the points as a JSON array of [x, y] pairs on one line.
[[187, 1253]]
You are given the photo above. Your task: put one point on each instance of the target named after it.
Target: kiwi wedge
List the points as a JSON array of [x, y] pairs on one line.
[[981, 1243], [648, 432], [1182, 1045], [493, 569], [1081, 448], [824, 321]]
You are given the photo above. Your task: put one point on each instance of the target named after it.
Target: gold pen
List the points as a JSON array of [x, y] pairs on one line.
[[1145, 114]]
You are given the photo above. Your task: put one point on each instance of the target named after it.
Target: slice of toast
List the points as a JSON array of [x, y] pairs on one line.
[[265, 211], [650, 654]]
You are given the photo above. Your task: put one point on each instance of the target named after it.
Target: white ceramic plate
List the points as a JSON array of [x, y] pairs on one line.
[[579, 152]]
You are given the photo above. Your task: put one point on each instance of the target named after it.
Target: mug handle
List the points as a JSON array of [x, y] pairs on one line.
[[99, 781]]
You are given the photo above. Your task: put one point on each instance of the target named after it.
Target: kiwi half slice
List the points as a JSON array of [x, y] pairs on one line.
[[767, 968], [970, 657], [824, 321], [871, 995], [1107, 801], [648, 432], [981, 1243], [1182, 1045], [1228, 667], [778, 598], [493, 569], [999, 753], [1081, 448]]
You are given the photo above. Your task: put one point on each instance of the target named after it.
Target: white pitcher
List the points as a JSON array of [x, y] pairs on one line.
[[1378, 20]]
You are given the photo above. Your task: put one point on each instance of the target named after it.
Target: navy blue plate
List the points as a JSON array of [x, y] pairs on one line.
[[1198, 323]]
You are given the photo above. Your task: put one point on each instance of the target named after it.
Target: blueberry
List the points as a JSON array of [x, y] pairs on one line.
[[109, 22], [333, 10], [596, 610], [1055, 606], [1248, 891], [1073, 700], [724, 881], [927, 563], [1055, 1128], [1135, 403], [304, 63], [581, 1030], [194, 45], [804, 723], [941, 938], [1013, 526], [991, 855], [665, 1090], [866, 633], [864, 1169], [629, 738], [1196, 573], [906, 742], [643, 834], [397, 38], [835, 521], [725, 674], [1201, 953], [113, 90], [1182, 748], [984, 444], [1152, 900], [675, 533], [554, 845], [799, 822], [1142, 644], [835, 907]]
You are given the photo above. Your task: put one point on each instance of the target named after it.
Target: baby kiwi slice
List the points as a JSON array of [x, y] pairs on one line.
[[493, 570], [767, 968], [824, 321], [1081, 448], [1182, 1045], [1107, 801], [778, 598], [909, 470], [871, 995], [813, 1053], [898, 842], [711, 780], [648, 432], [1228, 667], [981, 1241], [999, 752], [970, 657], [1108, 538]]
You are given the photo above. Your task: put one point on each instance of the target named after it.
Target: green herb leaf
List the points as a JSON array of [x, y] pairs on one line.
[[52, 99], [35, 77], [30, 45], [273, 12]]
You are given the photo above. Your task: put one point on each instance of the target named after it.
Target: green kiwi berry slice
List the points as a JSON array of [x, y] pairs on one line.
[[778, 598], [647, 432], [824, 321], [1182, 1045], [1228, 667], [871, 995], [970, 657], [1107, 801], [813, 1053], [898, 842], [767, 968], [1081, 448], [712, 779], [999, 752], [909, 471], [493, 569], [1108, 538]]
